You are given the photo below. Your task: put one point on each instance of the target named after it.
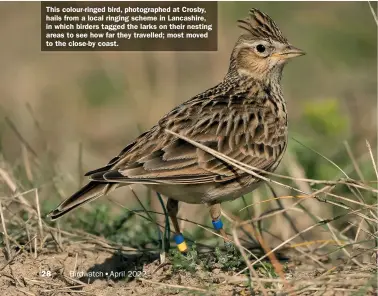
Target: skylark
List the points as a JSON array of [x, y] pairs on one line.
[[243, 117]]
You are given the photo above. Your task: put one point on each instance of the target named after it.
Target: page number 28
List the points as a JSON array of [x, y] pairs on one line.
[[45, 273]]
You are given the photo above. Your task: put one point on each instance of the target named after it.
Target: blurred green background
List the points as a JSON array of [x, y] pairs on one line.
[[77, 110]]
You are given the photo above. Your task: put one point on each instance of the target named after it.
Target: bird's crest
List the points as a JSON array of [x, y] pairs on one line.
[[260, 25]]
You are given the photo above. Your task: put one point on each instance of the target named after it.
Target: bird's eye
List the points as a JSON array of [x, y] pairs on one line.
[[260, 48]]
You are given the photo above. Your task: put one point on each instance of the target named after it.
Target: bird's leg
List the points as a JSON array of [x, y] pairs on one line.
[[172, 208], [215, 213]]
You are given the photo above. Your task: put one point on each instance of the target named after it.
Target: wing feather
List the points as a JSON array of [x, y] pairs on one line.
[[246, 130]]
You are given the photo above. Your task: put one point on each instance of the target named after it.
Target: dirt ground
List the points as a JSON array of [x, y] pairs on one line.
[[84, 269]]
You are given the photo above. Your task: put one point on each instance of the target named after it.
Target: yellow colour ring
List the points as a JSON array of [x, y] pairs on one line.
[[180, 242]]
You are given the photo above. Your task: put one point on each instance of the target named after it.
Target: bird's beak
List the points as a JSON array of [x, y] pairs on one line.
[[289, 52]]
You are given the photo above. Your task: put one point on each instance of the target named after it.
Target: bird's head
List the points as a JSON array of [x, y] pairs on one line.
[[262, 51]]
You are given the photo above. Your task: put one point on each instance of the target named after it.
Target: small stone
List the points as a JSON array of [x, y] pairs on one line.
[[216, 270]]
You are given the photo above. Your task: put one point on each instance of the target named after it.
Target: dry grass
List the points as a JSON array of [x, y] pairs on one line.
[[40, 257]]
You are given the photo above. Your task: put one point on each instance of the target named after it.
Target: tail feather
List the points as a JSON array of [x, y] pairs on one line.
[[89, 192]]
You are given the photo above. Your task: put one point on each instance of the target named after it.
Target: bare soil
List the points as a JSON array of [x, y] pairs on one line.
[[84, 269]]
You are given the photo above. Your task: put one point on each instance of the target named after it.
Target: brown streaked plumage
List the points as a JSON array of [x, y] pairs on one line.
[[244, 117]]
